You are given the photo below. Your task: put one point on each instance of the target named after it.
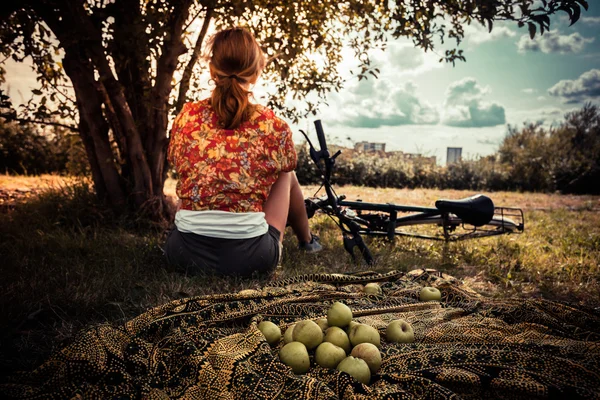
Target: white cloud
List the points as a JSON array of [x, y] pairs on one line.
[[405, 57], [553, 42], [590, 20], [552, 111], [529, 90], [546, 116], [374, 103], [465, 106], [477, 34], [586, 87], [541, 98], [402, 58]]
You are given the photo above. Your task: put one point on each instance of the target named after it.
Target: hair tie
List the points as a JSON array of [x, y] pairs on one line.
[[237, 78]]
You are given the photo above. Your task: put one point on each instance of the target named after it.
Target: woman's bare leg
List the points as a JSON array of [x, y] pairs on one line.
[[286, 204], [276, 207], [297, 217]]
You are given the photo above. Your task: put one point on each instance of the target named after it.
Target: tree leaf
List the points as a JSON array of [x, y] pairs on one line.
[[532, 29], [576, 14], [583, 3]]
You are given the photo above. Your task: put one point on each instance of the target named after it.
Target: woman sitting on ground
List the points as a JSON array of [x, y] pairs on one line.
[[235, 161]]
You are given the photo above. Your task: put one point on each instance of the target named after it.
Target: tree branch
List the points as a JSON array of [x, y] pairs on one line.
[[133, 68], [187, 73], [193, 18], [61, 93], [41, 122], [172, 48]]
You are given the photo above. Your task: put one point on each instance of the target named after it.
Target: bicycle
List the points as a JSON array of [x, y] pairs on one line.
[[467, 218]]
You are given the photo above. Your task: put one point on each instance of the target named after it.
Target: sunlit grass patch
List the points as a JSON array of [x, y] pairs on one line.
[[556, 257]]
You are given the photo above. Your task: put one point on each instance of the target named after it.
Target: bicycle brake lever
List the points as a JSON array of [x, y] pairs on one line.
[[308, 140], [314, 154]]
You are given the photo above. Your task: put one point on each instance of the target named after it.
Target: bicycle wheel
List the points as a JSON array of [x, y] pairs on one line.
[[452, 228], [437, 227], [420, 226]]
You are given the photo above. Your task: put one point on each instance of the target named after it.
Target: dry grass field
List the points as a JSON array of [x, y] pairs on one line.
[[68, 263]]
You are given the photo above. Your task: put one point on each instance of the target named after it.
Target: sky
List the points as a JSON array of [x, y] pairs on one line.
[[419, 105]]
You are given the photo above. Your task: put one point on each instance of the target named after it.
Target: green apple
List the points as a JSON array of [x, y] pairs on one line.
[[364, 334], [350, 326], [357, 368], [372, 288], [322, 322], [295, 355], [370, 353], [287, 336], [430, 294], [339, 315], [271, 332], [352, 329], [309, 333], [400, 331], [329, 355], [338, 336]]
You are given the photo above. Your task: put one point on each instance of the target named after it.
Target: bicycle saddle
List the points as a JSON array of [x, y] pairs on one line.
[[476, 210]]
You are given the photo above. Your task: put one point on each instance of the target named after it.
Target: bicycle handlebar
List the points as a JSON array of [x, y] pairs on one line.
[[320, 136], [329, 162]]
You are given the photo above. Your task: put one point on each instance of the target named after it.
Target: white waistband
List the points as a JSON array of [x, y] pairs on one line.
[[222, 224]]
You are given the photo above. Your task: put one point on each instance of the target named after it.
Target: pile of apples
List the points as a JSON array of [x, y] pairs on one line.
[[338, 341]]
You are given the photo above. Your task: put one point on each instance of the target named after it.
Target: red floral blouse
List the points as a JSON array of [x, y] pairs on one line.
[[228, 169]]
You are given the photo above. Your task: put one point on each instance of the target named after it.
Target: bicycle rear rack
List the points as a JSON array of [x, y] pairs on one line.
[[506, 220], [512, 215]]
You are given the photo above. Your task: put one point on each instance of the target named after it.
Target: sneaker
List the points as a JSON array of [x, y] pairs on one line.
[[313, 246]]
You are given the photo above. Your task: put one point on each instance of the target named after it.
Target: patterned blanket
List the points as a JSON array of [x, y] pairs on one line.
[[209, 347]]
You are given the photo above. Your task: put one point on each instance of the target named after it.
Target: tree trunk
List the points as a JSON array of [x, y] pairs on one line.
[[132, 69], [93, 128], [140, 190], [156, 141], [125, 104]]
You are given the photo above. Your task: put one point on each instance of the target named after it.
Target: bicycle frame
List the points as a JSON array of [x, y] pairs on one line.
[[383, 219]]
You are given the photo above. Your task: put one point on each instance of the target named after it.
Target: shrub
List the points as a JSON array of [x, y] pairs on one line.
[[27, 150], [306, 170], [565, 158], [576, 144], [529, 156]]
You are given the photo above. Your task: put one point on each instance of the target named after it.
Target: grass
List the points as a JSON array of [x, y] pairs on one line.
[[67, 262]]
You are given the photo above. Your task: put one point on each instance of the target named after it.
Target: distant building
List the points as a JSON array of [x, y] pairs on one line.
[[369, 147], [453, 155], [377, 149]]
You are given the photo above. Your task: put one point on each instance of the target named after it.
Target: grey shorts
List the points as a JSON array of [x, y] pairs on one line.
[[197, 254]]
